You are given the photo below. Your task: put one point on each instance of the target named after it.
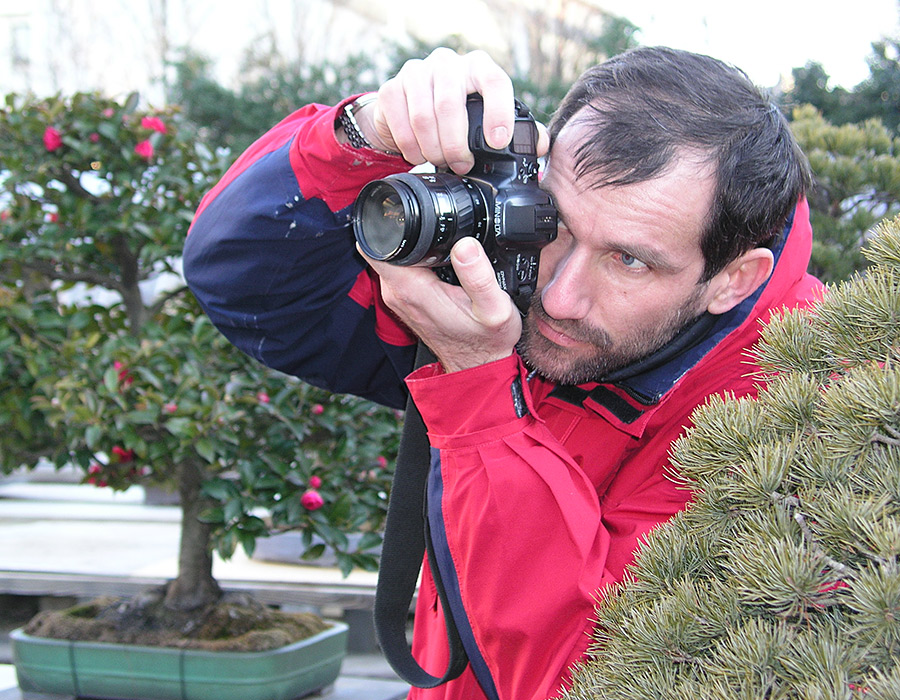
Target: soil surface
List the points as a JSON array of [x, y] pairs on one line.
[[236, 622]]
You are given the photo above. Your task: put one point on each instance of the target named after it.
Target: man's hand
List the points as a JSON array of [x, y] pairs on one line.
[[463, 326], [421, 112]]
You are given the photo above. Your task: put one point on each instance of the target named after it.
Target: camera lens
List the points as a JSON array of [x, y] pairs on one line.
[[414, 219], [389, 211]]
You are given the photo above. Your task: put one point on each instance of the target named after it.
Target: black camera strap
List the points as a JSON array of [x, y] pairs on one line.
[[406, 540]]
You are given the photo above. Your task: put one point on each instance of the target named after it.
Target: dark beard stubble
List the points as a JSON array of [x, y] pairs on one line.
[[565, 366]]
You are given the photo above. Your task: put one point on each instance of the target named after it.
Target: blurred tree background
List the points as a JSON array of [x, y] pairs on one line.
[[271, 87], [876, 97], [106, 362], [853, 143], [97, 195]]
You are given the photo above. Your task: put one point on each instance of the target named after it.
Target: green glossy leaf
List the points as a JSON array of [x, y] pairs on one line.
[[205, 449]]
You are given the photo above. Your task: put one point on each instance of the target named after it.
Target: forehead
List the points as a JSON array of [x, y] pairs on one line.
[[670, 209]]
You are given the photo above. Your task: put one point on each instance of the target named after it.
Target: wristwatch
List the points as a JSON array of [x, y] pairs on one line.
[[347, 120]]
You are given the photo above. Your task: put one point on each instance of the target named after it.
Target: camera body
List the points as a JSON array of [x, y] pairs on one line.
[[415, 218]]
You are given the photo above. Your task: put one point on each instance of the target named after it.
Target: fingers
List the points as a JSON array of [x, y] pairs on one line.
[[423, 109], [496, 88], [464, 327]]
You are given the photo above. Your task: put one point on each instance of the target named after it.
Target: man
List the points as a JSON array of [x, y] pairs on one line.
[[682, 227]]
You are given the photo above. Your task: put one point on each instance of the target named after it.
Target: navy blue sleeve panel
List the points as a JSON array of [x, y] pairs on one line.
[[273, 270]]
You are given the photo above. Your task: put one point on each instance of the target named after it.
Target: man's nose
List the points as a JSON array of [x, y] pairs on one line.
[[568, 293]]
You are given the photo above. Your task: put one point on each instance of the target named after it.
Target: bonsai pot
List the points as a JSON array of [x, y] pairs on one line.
[[128, 672]]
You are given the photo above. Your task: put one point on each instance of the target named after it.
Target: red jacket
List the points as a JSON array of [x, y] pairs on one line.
[[536, 510]]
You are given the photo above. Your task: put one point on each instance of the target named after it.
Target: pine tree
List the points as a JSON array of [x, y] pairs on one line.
[[857, 183], [782, 579]]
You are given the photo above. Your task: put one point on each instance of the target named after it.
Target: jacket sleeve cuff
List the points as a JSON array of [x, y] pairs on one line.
[[469, 402], [342, 169]]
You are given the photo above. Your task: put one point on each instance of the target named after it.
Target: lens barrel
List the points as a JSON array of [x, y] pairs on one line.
[[414, 219]]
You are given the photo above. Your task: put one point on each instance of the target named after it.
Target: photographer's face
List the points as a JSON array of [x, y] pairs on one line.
[[622, 278]]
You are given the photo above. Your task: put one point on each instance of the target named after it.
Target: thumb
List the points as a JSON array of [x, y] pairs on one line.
[[491, 306], [543, 144]]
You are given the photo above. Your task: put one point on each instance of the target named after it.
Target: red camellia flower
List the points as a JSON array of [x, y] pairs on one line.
[[382, 461], [312, 500], [154, 124], [318, 409], [5, 215], [170, 407], [125, 379], [144, 149], [263, 397], [315, 482], [95, 137], [108, 112], [52, 139], [124, 456]]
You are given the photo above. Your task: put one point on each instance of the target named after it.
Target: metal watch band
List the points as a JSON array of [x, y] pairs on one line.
[[347, 120]]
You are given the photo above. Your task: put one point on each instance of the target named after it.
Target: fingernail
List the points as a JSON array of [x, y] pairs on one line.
[[466, 250], [461, 167], [499, 136]]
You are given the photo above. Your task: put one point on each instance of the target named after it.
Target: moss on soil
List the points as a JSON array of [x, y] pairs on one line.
[[236, 622]]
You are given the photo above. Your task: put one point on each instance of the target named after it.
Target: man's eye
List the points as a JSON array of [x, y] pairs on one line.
[[631, 262]]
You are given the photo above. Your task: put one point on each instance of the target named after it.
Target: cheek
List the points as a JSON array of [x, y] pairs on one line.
[[623, 310]]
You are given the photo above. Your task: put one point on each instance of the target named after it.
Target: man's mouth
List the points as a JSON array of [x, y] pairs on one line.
[[555, 336]]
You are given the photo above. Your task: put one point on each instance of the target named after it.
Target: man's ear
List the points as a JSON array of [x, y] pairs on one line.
[[740, 278]]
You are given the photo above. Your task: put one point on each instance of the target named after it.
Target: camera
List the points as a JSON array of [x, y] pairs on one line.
[[415, 218]]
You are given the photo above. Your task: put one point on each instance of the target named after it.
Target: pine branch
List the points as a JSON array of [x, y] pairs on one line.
[[810, 539], [893, 440]]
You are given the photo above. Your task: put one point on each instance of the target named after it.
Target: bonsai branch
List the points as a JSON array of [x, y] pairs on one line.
[[893, 439], [792, 503], [91, 277], [74, 184]]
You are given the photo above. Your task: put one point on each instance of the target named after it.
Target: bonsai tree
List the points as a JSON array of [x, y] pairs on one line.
[[781, 580], [109, 364]]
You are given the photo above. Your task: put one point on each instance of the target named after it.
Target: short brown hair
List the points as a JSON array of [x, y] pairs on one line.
[[646, 104]]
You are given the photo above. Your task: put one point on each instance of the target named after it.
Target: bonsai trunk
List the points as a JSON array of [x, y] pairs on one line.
[[194, 585], [129, 284]]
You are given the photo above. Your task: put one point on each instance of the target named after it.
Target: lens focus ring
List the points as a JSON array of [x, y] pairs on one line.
[[414, 219]]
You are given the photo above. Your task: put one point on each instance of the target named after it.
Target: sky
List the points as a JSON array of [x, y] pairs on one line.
[[774, 36]]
